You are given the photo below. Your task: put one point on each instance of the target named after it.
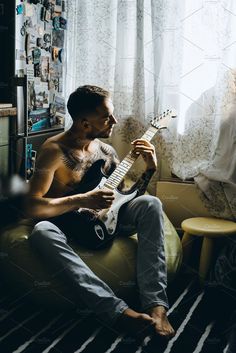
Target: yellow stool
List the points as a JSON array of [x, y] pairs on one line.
[[208, 228]]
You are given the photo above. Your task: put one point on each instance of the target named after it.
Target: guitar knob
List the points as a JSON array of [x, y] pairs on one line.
[[99, 231]]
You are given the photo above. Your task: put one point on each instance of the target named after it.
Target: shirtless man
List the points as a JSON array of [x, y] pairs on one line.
[[62, 162]]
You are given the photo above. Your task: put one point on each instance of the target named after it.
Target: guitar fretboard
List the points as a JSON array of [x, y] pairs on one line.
[[119, 173]]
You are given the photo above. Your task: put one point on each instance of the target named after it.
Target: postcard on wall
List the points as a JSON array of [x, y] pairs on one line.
[[60, 85], [31, 96], [38, 120], [58, 38], [63, 6], [44, 69], [20, 54], [31, 41], [42, 95], [30, 72], [58, 107], [58, 6], [55, 71], [29, 9], [59, 103]]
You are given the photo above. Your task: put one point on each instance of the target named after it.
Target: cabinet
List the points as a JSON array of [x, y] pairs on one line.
[[7, 120]]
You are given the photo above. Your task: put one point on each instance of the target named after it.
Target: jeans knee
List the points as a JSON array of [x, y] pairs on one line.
[[151, 204], [44, 231]]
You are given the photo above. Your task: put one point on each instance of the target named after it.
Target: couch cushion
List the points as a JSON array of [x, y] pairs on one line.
[[29, 275]]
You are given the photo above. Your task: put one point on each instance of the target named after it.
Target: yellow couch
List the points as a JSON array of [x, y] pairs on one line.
[[27, 274]]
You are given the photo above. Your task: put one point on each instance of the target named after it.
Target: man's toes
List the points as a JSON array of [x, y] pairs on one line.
[[165, 332], [170, 333]]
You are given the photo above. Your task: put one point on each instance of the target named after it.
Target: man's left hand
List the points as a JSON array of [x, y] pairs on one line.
[[147, 151]]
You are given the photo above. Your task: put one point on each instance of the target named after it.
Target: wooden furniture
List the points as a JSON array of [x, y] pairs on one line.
[[7, 119], [7, 112], [209, 228]]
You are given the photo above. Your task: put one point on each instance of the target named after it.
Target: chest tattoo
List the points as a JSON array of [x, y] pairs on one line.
[[77, 163]]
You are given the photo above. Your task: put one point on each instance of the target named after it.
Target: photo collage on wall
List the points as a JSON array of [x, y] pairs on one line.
[[43, 29]]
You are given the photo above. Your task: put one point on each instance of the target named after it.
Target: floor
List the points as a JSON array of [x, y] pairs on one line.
[[199, 325]]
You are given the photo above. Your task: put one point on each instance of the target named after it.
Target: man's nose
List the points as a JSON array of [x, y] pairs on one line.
[[113, 119]]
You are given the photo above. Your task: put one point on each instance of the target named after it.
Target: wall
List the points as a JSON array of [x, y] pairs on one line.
[[180, 201]]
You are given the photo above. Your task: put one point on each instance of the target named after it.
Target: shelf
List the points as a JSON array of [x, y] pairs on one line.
[[7, 112]]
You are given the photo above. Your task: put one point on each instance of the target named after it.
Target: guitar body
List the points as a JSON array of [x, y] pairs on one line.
[[110, 217], [93, 229]]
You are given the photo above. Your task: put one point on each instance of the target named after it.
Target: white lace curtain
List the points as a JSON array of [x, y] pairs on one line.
[[157, 54]]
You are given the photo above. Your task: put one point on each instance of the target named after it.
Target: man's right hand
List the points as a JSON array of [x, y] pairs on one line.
[[97, 199]]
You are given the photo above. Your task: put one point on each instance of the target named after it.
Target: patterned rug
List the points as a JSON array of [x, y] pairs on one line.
[[200, 318]]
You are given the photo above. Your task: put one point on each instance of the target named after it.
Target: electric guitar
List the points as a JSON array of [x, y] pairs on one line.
[[98, 227]]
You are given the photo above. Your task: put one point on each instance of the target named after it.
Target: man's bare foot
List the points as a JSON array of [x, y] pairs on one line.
[[134, 323], [162, 325]]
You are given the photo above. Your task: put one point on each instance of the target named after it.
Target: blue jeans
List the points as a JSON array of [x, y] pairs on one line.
[[143, 215]]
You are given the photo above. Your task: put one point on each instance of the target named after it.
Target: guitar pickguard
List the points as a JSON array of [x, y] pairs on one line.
[[110, 216]]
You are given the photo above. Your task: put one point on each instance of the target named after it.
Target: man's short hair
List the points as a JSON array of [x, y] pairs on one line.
[[84, 100]]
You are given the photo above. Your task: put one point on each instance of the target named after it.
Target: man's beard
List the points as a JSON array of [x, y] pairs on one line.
[[99, 134]]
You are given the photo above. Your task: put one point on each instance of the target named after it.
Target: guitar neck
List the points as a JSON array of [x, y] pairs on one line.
[[122, 169]]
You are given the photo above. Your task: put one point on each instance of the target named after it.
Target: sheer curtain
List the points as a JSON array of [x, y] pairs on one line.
[[159, 54]]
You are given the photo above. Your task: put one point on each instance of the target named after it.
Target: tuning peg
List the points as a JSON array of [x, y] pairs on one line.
[[173, 113]]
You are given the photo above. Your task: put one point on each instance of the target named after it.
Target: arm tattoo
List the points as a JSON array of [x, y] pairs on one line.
[[111, 158], [142, 183]]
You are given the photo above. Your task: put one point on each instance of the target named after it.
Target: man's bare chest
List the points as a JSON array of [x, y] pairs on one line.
[[76, 165]]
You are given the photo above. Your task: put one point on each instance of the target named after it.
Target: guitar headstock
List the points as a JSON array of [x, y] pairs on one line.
[[162, 121]]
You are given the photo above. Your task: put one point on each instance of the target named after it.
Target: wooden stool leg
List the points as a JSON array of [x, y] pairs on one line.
[[187, 243], [206, 258]]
